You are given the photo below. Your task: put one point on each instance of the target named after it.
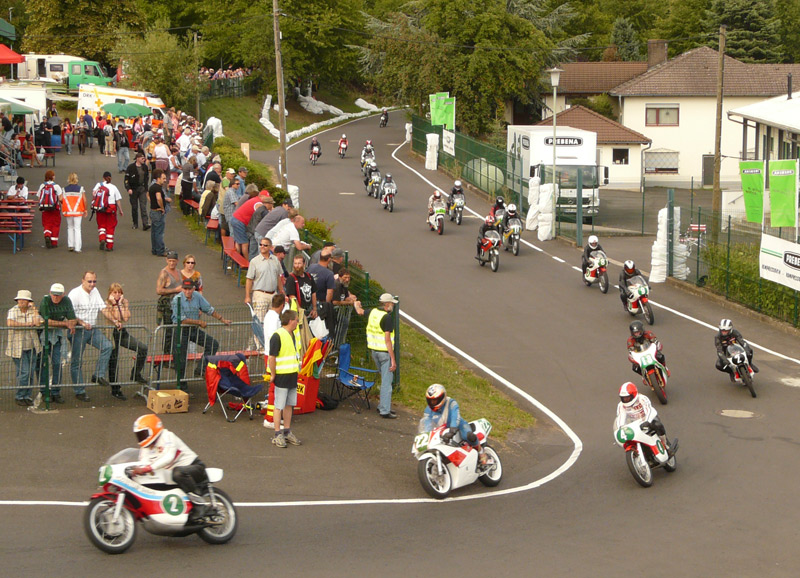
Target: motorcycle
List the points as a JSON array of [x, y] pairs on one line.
[[511, 235], [644, 451], [365, 162], [387, 196], [456, 207], [498, 217], [596, 270], [314, 155], [654, 374], [742, 372], [373, 186], [490, 250], [436, 218], [342, 150], [384, 120], [155, 501], [446, 462], [638, 290]]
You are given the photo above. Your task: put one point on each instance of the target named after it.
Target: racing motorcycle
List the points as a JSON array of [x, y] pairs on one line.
[[456, 207], [436, 218], [384, 119], [368, 158], [638, 290], [498, 217], [654, 374], [490, 250], [644, 451], [742, 372], [342, 150], [387, 195], [446, 462], [596, 270], [314, 155], [374, 184], [155, 501], [511, 235]]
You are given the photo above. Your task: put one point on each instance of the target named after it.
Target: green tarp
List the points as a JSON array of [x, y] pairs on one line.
[[7, 30], [18, 108]]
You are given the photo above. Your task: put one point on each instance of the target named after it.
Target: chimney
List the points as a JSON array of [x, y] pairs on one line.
[[656, 52]]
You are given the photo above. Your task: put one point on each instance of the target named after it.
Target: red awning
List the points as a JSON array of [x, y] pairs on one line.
[[8, 56]]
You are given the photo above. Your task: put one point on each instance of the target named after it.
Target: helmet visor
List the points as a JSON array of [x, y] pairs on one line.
[[435, 402], [626, 398], [142, 435]]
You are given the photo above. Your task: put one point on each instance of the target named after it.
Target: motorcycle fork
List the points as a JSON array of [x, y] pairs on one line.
[[118, 505], [439, 465]]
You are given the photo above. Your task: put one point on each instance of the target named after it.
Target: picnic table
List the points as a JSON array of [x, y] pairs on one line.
[[16, 220]]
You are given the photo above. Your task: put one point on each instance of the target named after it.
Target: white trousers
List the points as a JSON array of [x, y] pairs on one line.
[[74, 233]]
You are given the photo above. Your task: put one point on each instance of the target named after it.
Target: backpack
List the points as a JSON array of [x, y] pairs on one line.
[[100, 202], [48, 198]]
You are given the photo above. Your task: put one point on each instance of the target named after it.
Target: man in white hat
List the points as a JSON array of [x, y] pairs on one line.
[[23, 343], [56, 309], [380, 341]]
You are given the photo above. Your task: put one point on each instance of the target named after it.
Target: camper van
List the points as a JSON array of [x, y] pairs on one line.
[[71, 70], [32, 95], [92, 98]]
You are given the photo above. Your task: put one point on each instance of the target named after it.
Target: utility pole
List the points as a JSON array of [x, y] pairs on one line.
[[282, 168], [716, 199], [11, 66], [197, 87]]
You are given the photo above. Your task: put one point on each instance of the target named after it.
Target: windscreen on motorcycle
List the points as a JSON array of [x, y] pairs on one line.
[[597, 253], [514, 223], [123, 457], [636, 280], [438, 206], [431, 422], [493, 236]]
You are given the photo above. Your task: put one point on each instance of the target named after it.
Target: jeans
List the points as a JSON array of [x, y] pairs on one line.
[[123, 158], [55, 366], [98, 340], [140, 203], [127, 341], [383, 362], [202, 339], [26, 372], [157, 224]]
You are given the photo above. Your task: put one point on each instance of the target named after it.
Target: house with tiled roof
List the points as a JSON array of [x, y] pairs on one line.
[[618, 148], [674, 104]]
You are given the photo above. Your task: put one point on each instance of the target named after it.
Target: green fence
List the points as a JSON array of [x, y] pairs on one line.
[[223, 87]]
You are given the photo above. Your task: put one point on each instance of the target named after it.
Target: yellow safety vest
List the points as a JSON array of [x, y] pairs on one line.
[[375, 338], [288, 358], [294, 307]]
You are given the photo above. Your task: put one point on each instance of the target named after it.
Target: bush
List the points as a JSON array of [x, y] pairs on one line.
[[257, 173], [320, 229], [67, 104]]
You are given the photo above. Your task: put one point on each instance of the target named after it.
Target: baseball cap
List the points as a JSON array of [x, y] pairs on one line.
[[288, 201], [172, 254], [57, 289], [231, 171], [387, 298], [338, 253], [329, 244], [242, 169], [188, 284]]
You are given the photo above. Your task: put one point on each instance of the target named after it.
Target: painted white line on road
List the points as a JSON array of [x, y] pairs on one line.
[[578, 269], [559, 259], [347, 193]]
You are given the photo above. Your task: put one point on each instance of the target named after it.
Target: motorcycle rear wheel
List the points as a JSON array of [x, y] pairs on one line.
[[604, 283], [221, 533], [647, 311], [109, 536], [640, 469], [440, 226], [491, 478], [436, 485], [515, 247], [748, 380]]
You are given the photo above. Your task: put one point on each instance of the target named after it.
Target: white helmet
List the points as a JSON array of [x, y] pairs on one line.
[[457, 184], [373, 165], [593, 241], [511, 209], [344, 136], [628, 394]]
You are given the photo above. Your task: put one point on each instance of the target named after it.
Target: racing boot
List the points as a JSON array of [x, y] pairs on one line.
[[201, 507], [754, 367], [672, 447]]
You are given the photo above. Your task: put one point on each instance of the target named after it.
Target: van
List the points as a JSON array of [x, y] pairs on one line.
[[71, 70], [92, 98]]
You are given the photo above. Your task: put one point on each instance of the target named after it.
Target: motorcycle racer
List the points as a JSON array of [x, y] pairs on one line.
[[628, 270], [456, 190], [342, 142], [386, 180], [499, 203], [510, 213], [314, 143], [372, 168], [726, 337], [487, 225], [444, 410], [367, 151], [633, 406], [641, 337], [592, 245]]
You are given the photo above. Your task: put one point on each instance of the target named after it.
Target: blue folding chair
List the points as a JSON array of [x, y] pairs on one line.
[[352, 384], [227, 374]]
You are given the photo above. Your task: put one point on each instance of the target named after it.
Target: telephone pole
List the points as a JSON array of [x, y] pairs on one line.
[[197, 85], [716, 200], [282, 168]]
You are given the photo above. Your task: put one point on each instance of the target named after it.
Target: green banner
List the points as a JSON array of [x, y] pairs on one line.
[[436, 100], [443, 110], [752, 173], [783, 193]]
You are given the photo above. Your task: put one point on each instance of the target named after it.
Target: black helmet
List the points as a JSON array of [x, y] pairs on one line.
[[499, 201], [637, 330]]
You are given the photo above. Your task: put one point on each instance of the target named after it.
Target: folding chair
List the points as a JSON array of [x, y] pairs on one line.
[[351, 384], [228, 375]]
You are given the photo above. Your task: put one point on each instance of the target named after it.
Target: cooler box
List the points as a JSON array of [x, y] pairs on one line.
[[307, 390]]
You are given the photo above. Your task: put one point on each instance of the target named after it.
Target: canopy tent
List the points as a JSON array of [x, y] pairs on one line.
[[8, 56], [126, 110], [18, 107]]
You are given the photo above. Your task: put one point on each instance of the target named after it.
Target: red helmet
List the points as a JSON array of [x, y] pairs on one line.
[[628, 394], [489, 220], [368, 143]]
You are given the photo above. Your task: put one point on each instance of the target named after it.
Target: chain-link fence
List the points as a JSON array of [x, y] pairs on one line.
[[223, 87]]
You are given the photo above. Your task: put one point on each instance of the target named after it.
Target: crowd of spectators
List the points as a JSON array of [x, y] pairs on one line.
[[230, 72]]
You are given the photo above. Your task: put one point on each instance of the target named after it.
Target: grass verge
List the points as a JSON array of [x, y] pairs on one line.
[[239, 116]]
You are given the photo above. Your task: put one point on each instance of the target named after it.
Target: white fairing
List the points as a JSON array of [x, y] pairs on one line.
[[632, 432], [214, 474]]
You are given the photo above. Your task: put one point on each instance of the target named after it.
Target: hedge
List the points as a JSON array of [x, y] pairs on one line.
[[233, 157]]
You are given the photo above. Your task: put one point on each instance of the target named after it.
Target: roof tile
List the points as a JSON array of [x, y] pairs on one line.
[[597, 77], [608, 131]]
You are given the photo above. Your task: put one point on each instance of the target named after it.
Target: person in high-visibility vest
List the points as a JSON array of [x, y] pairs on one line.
[[380, 340], [284, 366]]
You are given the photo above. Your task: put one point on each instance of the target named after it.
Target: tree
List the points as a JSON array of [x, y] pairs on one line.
[[683, 24], [787, 15], [752, 34], [624, 37], [86, 28]]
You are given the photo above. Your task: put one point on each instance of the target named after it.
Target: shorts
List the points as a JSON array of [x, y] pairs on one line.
[[284, 395], [239, 231]]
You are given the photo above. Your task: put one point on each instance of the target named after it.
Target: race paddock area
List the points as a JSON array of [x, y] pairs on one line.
[[533, 325]]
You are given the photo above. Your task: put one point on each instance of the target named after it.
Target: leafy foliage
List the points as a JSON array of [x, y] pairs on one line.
[[625, 39], [257, 173], [752, 29]]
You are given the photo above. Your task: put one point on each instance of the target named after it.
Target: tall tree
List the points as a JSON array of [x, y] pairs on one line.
[[752, 29], [85, 28], [787, 14], [625, 39], [683, 24]]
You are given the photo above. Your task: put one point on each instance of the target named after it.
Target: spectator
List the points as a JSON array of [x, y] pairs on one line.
[[19, 190], [109, 197], [230, 174], [189, 272], [274, 217], [242, 216], [208, 200], [174, 164], [50, 195], [137, 177], [89, 122], [73, 206], [184, 142], [158, 209], [57, 311], [286, 234], [214, 175], [380, 341], [23, 344], [337, 261], [190, 304], [300, 287], [263, 209], [66, 135], [327, 247], [87, 303], [160, 152], [323, 279], [240, 180], [188, 186], [100, 133], [168, 285], [122, 144], [120, 311], [280, 255], [264, 279], [29, 150], [284, 367], [108, 136]]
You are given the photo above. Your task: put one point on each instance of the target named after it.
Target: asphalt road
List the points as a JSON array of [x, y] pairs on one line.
[[729, 509]]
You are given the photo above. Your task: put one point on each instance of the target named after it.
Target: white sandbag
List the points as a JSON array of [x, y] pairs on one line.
[[361, 103], [213, 125], [432, 151], [532, 218], [547, 216], [409, 128]]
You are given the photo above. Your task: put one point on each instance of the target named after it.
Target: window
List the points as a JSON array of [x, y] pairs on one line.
[[56, 68], [661, 161], [620, 156], [90, 70], [75, 69], [662, 115]]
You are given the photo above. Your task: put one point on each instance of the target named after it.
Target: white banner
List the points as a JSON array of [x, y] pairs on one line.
[[779, 261], [449, 142]]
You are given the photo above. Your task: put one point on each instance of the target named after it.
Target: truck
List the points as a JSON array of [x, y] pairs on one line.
[[530, 150], [91, 98], [71, 70]]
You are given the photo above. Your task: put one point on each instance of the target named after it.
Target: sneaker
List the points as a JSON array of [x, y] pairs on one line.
[[292, 439], [80, 397], [56, 398], [119, 395], [269, 424], [279, 441]]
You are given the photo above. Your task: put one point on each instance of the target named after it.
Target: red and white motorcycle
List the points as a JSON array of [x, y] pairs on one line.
[[654, 374], [446, 462], [314, 155], [342, 150], [638, 291], [644, 451], [490, 250], [596, 270], [436, 218], [155, 501]]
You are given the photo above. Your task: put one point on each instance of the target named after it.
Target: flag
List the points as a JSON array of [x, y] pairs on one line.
[[449, 113], [752, 173], [443, 110], [783, 193]]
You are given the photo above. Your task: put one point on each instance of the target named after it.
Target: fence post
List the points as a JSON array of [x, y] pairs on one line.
[[44, 372], [178, 356], [366, 284], [728, 264], [346, 258], [691, 198], [699, 246], [670, 228], [643, 196]]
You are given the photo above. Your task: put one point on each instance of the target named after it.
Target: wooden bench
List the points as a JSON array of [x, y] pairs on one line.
[[212, 225], [229, 252], [194, 205], [16, 220], [158, 361]]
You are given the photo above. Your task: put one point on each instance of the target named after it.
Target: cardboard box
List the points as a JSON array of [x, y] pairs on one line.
[[168, 401]]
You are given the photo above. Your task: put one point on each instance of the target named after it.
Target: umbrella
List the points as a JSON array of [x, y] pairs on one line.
[[126, 110]]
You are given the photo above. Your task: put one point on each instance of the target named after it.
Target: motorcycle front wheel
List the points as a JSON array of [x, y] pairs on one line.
[[495, 472], [435, 484], [647, 311], [515, 246], [440, 226], [639, 468], [459, 217], [112, 537], [391, 204], [744, 372], [494, 260], [658, 387], [225, 512], [604, 283]]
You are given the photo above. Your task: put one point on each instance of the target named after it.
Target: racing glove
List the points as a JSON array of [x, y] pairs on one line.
[[142, 470]]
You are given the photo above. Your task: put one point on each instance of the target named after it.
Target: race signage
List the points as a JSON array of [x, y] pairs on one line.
[[449, 142], [783, 192], [752, 174], [779, 261]]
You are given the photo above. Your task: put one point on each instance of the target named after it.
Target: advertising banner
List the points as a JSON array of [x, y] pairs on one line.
[[779, 261], [752, 173], [449, 142], [783, 193]]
